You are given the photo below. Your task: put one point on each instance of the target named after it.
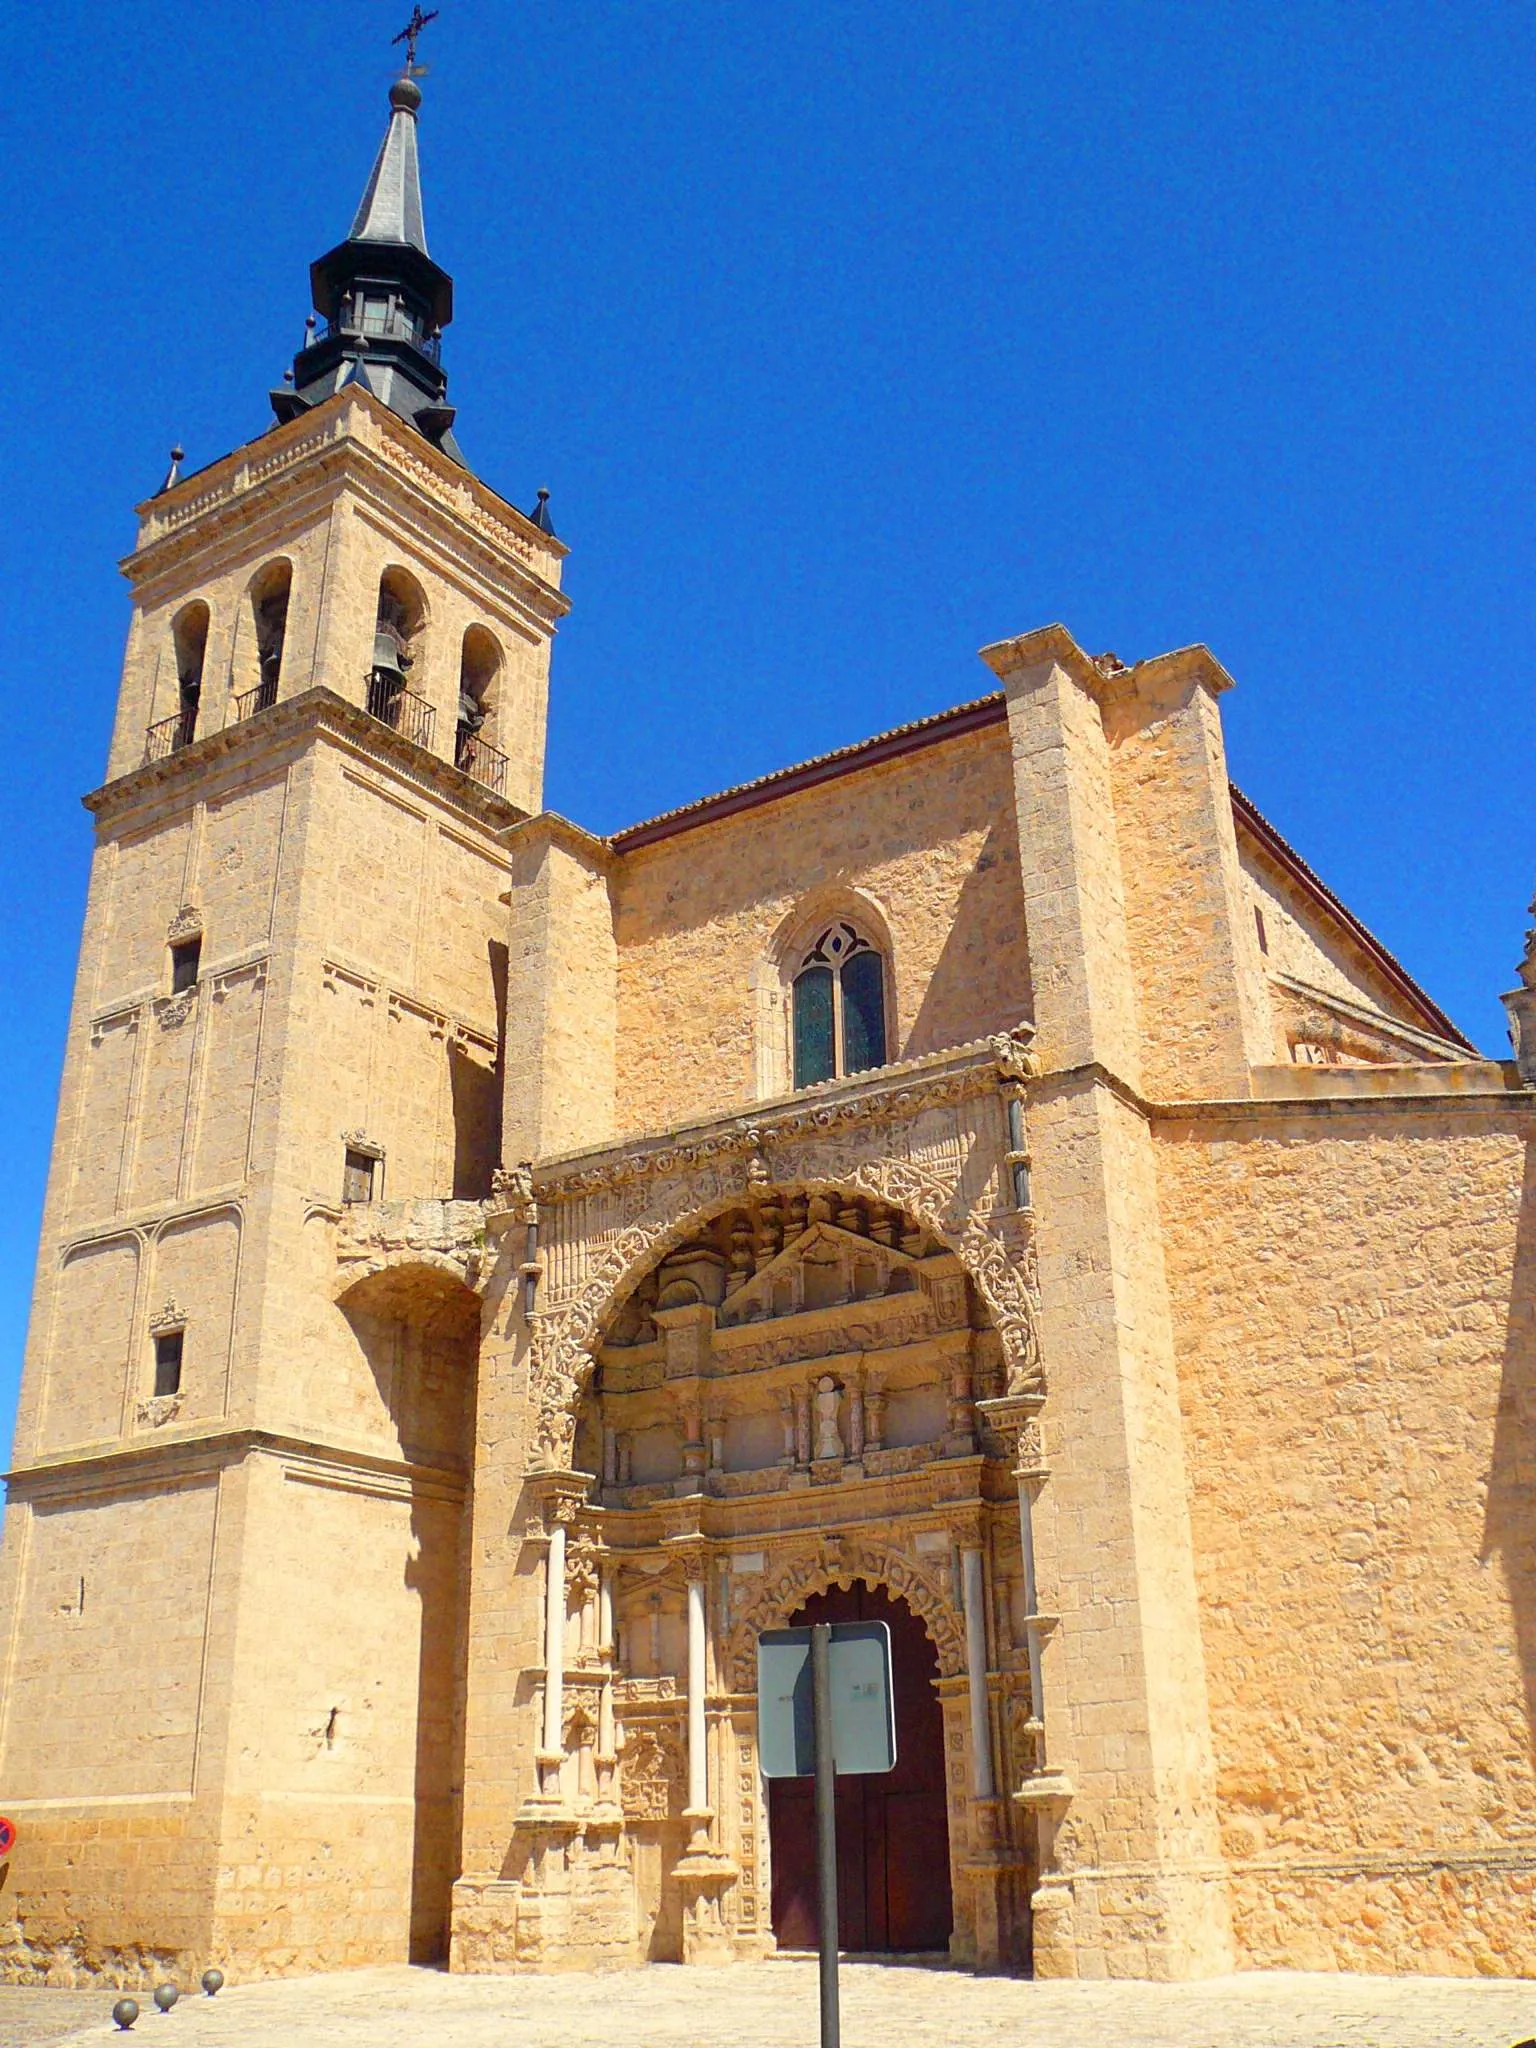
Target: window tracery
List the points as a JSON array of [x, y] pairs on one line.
[[837, 1003]]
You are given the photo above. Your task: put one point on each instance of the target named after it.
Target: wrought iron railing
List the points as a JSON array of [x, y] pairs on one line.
[[398, 327], [170, 735], [262, 698], [479, 759], [400, 709]]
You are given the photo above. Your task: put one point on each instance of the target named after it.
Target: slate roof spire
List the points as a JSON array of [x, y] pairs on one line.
[[391, 206], [382, 298]]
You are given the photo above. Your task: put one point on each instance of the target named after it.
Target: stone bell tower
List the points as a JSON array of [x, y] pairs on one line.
[[230, 1632]]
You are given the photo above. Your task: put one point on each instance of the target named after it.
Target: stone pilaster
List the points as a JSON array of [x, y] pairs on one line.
[[562, 992], [1074, 894], [1131, 1878], [1202, 995]]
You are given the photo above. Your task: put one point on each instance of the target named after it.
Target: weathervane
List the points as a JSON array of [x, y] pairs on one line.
[[410, 32]]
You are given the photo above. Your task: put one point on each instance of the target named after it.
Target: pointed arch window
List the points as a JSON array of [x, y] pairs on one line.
[[837, 1003]]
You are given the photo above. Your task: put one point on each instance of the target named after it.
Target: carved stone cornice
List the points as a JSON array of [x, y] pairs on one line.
[[900, 1091], [289, 722], [927, 1139], [353, 433]]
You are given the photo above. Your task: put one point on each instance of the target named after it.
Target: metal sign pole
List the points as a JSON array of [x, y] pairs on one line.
[[826, 1826]]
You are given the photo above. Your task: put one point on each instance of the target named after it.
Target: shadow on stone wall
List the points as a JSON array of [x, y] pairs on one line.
[[980, 981], [419, 1328], [1509, 1526]]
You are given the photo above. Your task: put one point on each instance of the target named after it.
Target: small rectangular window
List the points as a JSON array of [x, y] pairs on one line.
[[186, 956], [1258, 919], [168, 1361], [357, 1181]]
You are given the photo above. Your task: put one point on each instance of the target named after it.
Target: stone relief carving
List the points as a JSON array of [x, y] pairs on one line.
[[815, 1566], [1014, 1055], [186, 924], [157, 1410], [171, 1012], [512, 1190], [448, 1236], [829, 1441], [650, 1772], [919, 1148]]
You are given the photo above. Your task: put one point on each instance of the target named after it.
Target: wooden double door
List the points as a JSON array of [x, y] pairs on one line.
[[893, 1889]]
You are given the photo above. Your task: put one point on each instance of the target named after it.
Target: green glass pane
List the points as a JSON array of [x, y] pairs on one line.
[[813, 1026], [863, 1013]]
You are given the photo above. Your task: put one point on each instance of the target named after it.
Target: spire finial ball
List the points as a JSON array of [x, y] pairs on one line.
[[405, 95]]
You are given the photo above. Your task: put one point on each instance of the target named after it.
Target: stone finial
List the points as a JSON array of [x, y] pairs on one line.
[[1013, 1052], [1521, 1006], [512, 1190]]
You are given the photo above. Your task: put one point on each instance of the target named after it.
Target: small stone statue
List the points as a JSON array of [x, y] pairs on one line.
[[829, 1442]]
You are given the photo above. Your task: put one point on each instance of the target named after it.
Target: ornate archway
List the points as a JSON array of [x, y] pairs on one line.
[[759, 1367], [785, 1591], [893, 1828], [933, 1141]]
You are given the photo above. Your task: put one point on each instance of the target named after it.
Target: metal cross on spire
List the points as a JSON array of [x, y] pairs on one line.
[[410, 32]]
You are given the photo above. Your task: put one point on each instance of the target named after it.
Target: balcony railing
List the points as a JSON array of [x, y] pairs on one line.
[[397, 327], [262, 698], [400, 709], [480, 760], [170, 735]]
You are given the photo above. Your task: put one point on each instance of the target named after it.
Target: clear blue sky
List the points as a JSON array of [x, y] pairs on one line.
[[848, 338]]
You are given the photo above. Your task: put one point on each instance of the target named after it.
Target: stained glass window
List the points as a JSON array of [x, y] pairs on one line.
[[814, 1057], [863, 1012], [838, 1007]]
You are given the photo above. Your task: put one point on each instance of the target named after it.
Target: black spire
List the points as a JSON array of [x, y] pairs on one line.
[[382, 298], [540, 515]]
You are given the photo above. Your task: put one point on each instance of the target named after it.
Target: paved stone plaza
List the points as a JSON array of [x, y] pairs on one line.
[[773, 2005]]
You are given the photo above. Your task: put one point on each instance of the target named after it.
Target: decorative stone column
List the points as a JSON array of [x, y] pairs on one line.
[[572, 1897], [1043, 1794], [561, 1503], [698, 1760], [976, 1672], [607, 1747], [990, 1866], [705, 1874]]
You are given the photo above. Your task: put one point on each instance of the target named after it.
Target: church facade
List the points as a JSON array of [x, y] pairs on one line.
[[981, 1179]]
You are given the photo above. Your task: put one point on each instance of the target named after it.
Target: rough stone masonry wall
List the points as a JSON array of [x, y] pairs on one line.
[[1200, 992], [1302, 943], [1353, 1307], [929, 836]]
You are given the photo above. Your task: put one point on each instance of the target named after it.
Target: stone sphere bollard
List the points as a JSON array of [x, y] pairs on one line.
[[125, 2012], [213, 1982], [166, 1996]]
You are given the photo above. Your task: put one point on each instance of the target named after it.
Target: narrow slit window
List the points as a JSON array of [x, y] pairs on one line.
[[186, 958], [1258, 919], [358, 1176], [168, 1346]]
